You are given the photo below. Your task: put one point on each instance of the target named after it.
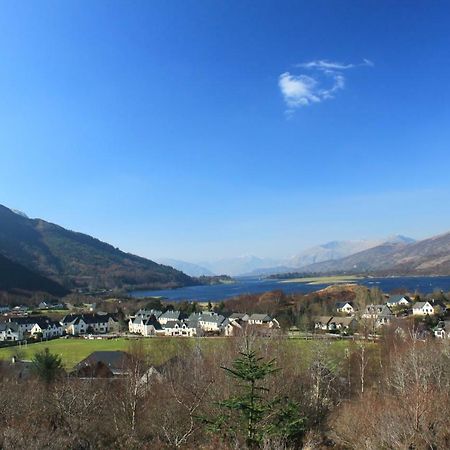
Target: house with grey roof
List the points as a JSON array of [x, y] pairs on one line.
[[322, 322], [423, 309], [147, 313], [10, 332], [232, 327], [379, 314], [47, 328], [170, 316], [94, 323], [26, 323], [179, 328], [103, 364], [345, 307], [398, 301], [146, 326], [343, 324], [210, 322], [239, 316], [442, 330], [263, 319]]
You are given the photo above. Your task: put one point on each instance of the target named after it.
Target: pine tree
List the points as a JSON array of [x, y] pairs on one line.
[[251, 409], [47, 366]]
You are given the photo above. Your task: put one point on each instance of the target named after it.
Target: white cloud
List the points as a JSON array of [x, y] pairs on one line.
[[324, 79]]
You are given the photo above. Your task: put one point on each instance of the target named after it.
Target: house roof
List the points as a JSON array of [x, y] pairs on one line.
[[153, 321], [45, 323], [26, 320], [87, 318], [116, 360], [345, 321], [420, 305], [394, 299], [148, 313], [172, 324], [380, 310], [170, 315], [263, 317], [240, 316], [342, 304], [5, 326], [323, 319], [212, 319]]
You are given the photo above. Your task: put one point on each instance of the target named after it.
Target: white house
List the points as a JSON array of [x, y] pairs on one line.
[[146, 327], [147, 313], [398, 301], [232, 327], [423, 309], [263, 319], [10, 331], [25, 324], [380, 314], [342, 324], [47, 328], [322, 322], [210, 322], [169, 316], [442, 331], [178, 328], [243, 317], [76, 324], [345, 307]]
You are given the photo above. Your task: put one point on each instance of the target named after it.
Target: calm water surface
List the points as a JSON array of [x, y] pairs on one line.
[[424, 285]]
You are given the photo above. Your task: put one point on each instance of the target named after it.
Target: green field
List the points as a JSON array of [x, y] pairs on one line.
[[73, 351], [158, 350], [324, 280]]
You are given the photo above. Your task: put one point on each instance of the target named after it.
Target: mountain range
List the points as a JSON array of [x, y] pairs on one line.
[[427, 257], [250, 265], [76, 260]]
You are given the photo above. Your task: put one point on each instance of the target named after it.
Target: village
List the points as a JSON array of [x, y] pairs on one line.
[[20, 324]]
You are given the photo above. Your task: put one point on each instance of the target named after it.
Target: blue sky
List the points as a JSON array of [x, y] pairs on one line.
[[206, 129]]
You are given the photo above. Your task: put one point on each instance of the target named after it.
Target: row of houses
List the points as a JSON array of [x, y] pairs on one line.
[[396, 302], [175, 323], [20, 328], [381, 315]]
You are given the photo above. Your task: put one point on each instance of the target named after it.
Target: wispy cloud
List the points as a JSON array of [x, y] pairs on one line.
[[323, 80]]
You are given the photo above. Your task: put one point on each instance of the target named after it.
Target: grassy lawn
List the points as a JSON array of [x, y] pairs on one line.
[[323, 280], [73, 351], [160, 350]]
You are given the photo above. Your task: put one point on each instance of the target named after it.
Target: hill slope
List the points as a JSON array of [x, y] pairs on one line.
[[78, 260], [15, 277], [428, 257]]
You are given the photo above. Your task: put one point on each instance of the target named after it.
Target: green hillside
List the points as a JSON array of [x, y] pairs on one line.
[[17, 278], [78, 260]]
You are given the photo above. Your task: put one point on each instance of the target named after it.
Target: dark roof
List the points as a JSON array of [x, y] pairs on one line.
[[87, 318], [342, 304], [115, 360], [9, 326], [45, 323], [27, 320], [153, 321]]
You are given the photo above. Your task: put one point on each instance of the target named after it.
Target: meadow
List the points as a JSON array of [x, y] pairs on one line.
[[159, 350]]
